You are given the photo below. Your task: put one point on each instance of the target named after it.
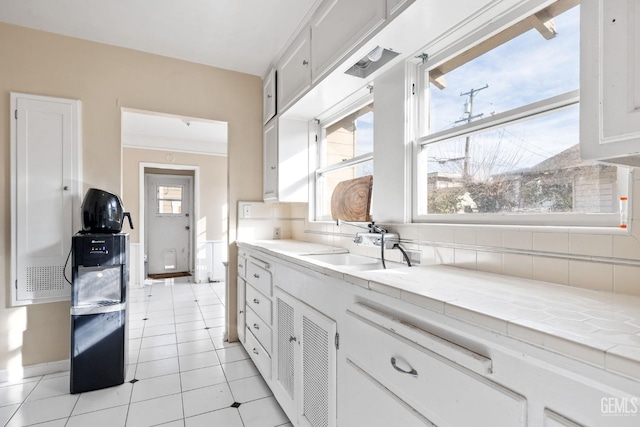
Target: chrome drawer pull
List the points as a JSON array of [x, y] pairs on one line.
[[255, 301], [412, 372], [241, 311], [240, 266], [256, 326], [256, 275], [291, 339], [255, 351]]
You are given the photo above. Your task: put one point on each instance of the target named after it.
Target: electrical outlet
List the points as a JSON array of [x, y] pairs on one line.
[[246, 211], [276, 233]]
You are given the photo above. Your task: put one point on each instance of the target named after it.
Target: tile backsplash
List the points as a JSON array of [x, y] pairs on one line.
[[262, 219], [586, 258]]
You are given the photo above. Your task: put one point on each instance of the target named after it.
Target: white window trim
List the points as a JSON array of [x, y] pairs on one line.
[[546, 106], [355, 102]]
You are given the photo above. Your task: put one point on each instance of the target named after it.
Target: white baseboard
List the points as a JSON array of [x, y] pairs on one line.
[[34, 370]]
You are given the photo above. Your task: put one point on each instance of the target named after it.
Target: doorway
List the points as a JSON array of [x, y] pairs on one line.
[[169, 224]]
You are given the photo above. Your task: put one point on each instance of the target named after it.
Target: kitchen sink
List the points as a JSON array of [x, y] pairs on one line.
[[353, 261], [344, 259]]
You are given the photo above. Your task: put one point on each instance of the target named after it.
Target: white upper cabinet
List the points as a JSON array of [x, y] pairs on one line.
[[286, 160], [394, 7], [270, 162], [269, 96], [338, 26], [610, 81], [294, 71]]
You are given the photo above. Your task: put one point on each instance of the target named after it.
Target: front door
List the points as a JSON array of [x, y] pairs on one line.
[[168, 223]]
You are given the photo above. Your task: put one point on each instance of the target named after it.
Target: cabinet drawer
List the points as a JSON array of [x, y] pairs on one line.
[[259, 277], [442, 391], [259, 355], [369, 403], [242, 267], [260, 329], [259, 303]]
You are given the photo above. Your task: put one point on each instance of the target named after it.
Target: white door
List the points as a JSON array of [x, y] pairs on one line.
[[168, 223], [45, 192]]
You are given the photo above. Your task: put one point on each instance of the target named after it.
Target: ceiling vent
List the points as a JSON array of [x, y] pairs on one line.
[[371, 62]]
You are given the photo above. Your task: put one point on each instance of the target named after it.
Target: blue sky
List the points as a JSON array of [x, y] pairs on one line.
[[549, 67]]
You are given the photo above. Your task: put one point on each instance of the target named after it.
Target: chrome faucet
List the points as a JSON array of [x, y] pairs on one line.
[[377, 236]]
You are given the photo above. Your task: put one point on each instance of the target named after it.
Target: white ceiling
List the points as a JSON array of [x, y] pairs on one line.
[[168, 132], [239, 35]]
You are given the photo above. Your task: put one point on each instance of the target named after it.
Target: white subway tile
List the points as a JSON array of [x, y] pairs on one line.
[[551, 242], [591, 275], [551, 270], [591, 244], [517, 265]]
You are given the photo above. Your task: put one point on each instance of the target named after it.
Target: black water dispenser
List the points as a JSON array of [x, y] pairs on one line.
[[99, 310]]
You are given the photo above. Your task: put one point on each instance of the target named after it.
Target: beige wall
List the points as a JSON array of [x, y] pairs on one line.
[[211, 221], [105, 79]]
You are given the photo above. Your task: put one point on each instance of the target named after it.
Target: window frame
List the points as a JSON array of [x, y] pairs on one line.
[[523, 113], [325, 120]]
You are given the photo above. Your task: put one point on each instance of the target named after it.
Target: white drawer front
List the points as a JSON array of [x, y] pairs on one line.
[[259, 355], [242, 267], [260, 329], [369, 403], [259, 303], [445, 393], [260, 278]]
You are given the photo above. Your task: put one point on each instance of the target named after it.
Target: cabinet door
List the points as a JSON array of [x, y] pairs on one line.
[[395, 7], [610, 81], [270, 162], [338, 27], [269, 96], [44, 189], [294, 71], [286, 342], [317, 399], [241, 303], [305, 365]]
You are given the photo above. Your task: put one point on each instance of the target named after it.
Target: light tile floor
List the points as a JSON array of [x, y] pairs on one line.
[[187, 376]]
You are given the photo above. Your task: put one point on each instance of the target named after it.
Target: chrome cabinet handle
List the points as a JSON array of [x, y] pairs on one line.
[[292, 339], [305, 62], [268, 95], [273, 168], [256, 275], [255, 301], [241, 311], [255, 351], [412, 372], [256, 326], [240, 265]]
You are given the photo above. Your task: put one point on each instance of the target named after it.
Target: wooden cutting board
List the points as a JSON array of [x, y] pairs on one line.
[[351, 199]]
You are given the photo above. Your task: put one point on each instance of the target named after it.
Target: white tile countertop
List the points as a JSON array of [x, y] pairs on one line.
[[601, 328]]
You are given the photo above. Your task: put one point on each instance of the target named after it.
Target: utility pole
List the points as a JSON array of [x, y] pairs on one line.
[[467, 117]]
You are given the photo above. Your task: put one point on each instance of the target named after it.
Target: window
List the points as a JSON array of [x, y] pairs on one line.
[[345, 151], [500, 132], [169, 199]]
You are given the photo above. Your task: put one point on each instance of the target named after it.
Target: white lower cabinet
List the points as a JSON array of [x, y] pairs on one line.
[[304, 379], [436, 378], [370, 403], [398, 364], [241, 308]]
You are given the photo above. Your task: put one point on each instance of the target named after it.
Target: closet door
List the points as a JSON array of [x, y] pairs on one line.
[[44, 194]]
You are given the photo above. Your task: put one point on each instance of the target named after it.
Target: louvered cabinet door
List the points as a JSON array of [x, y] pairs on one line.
[[305, 363], [317, 400], [285, 353]]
